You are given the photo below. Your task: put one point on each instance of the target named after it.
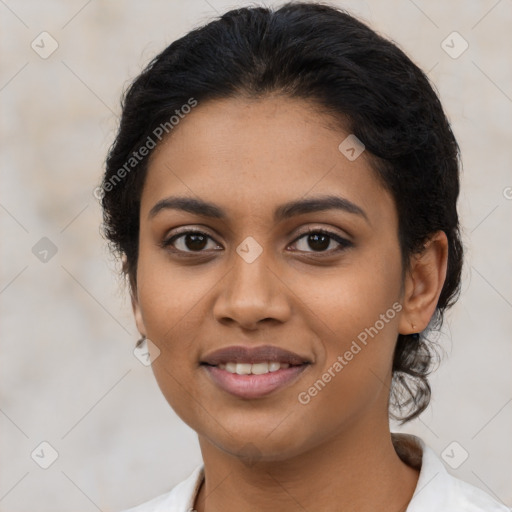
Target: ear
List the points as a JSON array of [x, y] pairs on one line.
[[139, 322], [132, 283], [423, 284]]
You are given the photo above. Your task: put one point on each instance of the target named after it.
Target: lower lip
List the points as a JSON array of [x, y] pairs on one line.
[[254, 386]]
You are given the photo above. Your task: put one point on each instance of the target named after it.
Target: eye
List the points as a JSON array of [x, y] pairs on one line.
[[189, 241], [320, 240]]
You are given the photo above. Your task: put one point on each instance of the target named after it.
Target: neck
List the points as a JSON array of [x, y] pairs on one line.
[[357, 471]]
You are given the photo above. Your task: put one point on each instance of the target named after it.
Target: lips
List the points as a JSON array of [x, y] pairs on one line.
[[252, 355], [254, 372]]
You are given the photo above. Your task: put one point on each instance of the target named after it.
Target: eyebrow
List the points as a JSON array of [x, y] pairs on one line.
[[282, 212]]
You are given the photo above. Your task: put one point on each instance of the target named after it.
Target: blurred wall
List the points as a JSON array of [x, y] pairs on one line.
[[68, 374]]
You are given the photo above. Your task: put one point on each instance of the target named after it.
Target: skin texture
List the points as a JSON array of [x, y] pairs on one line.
[[248, 157]]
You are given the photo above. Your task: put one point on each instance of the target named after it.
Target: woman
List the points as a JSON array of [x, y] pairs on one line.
[[282, 191]]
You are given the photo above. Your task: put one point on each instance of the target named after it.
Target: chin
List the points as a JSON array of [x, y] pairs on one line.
[[264, 445]]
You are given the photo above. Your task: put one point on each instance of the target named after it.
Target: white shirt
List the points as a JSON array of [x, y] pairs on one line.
[[436, 490]]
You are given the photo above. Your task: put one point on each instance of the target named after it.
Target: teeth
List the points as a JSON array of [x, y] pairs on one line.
[[229, 367], [273, 366], [243, 368], [259, 368], [254, 369]]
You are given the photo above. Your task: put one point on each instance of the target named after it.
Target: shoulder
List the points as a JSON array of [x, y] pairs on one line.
[[151, 505], [436, 488], [179, 499], [469, 498]]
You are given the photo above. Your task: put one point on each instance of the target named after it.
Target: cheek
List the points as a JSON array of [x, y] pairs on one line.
[[174, 305], [352, 297], [352, 377], [171, 297], [171, 308], [359, 311]]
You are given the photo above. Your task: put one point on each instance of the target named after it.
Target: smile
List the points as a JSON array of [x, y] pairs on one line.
[[250, 381], [254, 368]]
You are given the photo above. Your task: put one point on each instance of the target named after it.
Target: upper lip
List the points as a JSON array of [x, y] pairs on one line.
[[242, 354]]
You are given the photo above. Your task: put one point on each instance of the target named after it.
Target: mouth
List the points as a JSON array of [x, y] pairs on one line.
[[253, 368], [254, 372]]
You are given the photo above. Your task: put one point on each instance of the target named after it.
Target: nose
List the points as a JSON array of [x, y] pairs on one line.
[[252, 294]]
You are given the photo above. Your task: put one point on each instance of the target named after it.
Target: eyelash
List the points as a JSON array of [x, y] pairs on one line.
[[343, 243]]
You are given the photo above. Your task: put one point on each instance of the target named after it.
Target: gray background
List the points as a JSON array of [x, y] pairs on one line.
[[68, 373]]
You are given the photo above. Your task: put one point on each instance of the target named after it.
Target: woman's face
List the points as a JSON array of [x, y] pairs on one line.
[[254, 277]]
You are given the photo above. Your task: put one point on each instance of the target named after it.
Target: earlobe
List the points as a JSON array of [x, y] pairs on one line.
[[423, 284]]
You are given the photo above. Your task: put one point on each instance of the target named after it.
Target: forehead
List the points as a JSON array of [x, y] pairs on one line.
[[249, 154]]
